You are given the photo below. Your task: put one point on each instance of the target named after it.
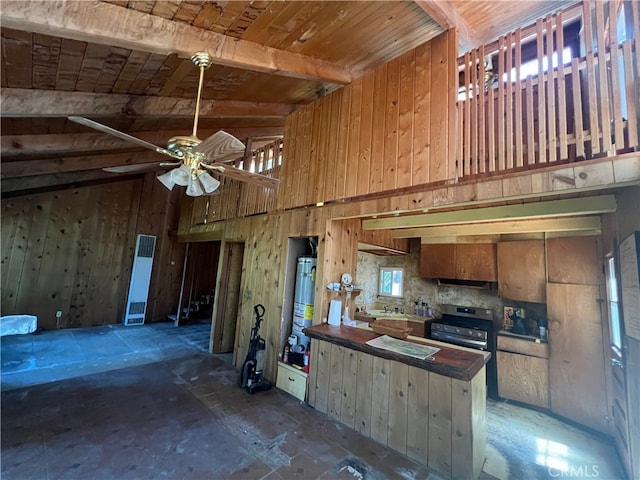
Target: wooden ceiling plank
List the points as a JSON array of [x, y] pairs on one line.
[[166, 8], [76, 164], [130, 72], [144, 6], [564, 224], [46, 55], [168, 68], [151, 66], [249, 15], [41, 146], [113, 66], [231, 12], [261, 30], [71, 56], [102, 23], [185, 68], [43, 103], [206, 16], [554, 208], [446, 14], [92, 64], [188, 11], [16, 46]]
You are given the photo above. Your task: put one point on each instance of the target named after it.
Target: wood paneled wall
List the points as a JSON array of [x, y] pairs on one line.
[[72, 251], [390, 129]]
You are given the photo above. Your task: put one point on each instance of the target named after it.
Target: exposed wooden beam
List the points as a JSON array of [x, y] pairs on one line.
[[24, 147], [105, 24], [447, 16], [462, 239], [40, 182], [75, 164], [526, 211], [565, 224], [40, 146], [20, 102]]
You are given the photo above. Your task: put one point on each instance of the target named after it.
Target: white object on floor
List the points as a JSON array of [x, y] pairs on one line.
[[18, 324]]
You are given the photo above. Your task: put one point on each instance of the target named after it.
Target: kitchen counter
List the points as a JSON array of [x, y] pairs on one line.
[[433, 410], [448, 361]]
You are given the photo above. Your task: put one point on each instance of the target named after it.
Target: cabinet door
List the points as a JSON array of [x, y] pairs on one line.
[[576, 361], [476, 261], [438, 261], [521, 271], [523, 378]]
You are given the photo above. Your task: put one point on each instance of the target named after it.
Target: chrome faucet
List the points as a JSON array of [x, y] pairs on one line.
[[386, 309]]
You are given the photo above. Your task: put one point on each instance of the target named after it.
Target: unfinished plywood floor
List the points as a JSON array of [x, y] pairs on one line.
[[149, 402]]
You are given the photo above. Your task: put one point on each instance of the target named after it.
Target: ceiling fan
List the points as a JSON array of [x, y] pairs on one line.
[[194, 158]]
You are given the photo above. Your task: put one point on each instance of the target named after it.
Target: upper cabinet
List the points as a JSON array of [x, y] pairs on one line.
[[459, 261], [521, 271]]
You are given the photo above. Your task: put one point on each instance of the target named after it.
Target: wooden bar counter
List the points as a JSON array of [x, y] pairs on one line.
[[433, 410]]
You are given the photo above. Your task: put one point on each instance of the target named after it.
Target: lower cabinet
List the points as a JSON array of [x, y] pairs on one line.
[[523, 371], [292, 381]]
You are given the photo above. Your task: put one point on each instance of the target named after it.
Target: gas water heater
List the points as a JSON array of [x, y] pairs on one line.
[[303, 300]]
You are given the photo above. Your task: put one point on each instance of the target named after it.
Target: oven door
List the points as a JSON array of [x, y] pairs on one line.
[[459, 340]]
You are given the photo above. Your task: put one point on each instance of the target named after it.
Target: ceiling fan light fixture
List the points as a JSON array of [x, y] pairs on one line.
[[194, 189], [209, 183], [181, 175], [167, 180]]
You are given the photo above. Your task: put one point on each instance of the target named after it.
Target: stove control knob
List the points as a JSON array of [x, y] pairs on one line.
[[457, 330], [479, 334]]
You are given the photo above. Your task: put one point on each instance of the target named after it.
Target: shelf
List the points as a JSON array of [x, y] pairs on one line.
[[355, 292]]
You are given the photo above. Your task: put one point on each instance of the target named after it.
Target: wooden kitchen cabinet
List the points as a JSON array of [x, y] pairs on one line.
[[473, 261], [521, 271], [523, 370], [577, 363], [438, 261], [292, 381]]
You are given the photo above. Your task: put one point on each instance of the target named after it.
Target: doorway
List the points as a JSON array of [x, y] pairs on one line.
[[195, 304], [227, 297]]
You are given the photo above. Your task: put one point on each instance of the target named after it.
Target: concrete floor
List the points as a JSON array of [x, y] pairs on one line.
[[149, 402]]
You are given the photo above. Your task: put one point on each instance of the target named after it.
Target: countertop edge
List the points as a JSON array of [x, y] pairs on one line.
[[432, 364]]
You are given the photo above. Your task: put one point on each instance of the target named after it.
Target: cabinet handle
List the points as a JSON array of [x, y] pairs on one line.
[[292, 379]]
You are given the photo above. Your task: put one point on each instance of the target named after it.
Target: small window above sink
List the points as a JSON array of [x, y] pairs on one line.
[[390, 282]]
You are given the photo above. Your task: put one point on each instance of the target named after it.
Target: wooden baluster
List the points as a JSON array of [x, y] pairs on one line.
[[466, 158], [481, 114], [531, 133], [518, 92], [577, 108], [591, 79], [603, 77], [632, 99], [501, 113], [542, 124], [551, 92], [491, 120], [509, 104], [562, 98], [616, 104]]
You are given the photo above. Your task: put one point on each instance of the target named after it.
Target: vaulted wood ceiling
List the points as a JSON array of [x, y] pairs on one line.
[[126, 64]]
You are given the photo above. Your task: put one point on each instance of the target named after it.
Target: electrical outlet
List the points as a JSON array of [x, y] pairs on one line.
[[58, 313]]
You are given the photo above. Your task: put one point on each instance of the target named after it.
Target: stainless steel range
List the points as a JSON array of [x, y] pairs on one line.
[[469, 327]]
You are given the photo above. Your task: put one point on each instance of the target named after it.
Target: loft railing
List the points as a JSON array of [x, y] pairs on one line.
[[584, 105], [239, 199]]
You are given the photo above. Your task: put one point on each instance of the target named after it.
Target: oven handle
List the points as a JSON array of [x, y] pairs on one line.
[[455, 339]]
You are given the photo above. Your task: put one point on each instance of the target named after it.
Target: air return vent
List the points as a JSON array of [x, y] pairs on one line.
[[140, 279]]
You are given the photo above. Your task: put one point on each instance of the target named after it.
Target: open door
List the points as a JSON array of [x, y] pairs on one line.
[[227, 297]]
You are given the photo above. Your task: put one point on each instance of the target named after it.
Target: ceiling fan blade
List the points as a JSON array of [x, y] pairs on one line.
[[124, 136], [243, 175], [220, 146], [132, 168]]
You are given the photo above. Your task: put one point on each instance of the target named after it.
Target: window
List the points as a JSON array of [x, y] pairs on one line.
[[612, 300], [390, 282]]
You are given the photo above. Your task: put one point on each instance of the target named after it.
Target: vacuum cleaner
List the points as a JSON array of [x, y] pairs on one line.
[[251, 376]]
